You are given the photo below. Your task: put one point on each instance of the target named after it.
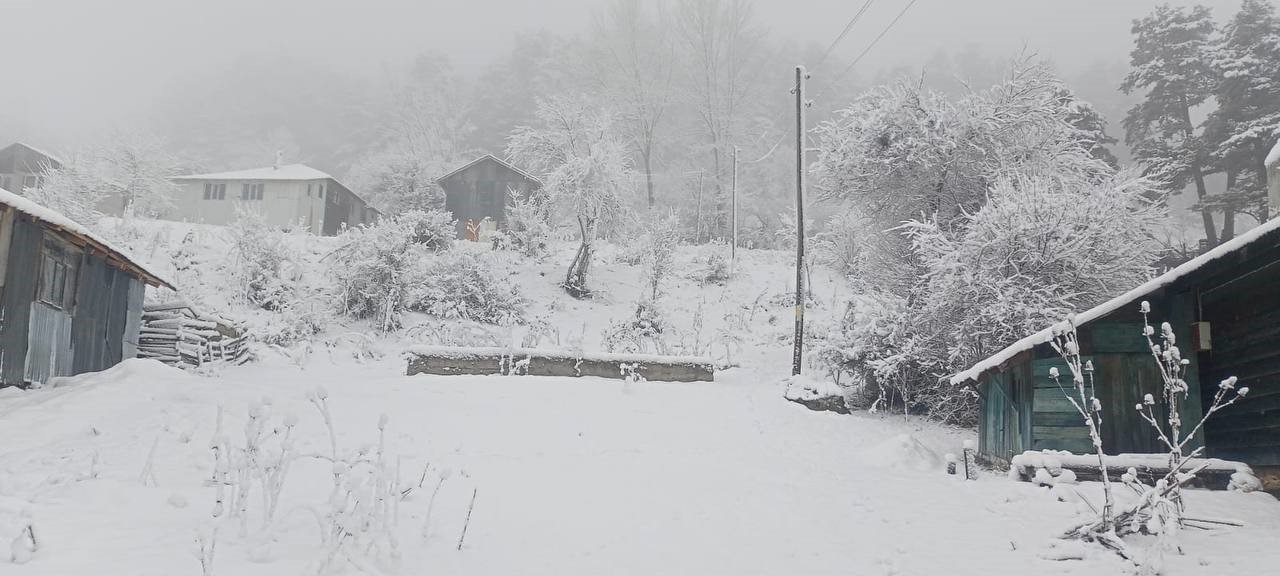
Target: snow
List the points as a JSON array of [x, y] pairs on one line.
[[1273, 157], [282, 172], [513, 168], [571, 476], [1045, 335], [57, 220]]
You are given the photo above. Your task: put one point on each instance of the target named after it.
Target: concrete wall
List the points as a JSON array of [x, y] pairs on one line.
[[284, 203]]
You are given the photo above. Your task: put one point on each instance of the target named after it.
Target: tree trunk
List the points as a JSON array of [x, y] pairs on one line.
[[1206, 214], [575, 280], [647, 154]]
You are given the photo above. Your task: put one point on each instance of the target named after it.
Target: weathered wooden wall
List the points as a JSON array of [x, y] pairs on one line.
[[1242, 305], [19, 292]]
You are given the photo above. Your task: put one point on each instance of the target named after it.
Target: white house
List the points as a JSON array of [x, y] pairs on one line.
[[287, 195]]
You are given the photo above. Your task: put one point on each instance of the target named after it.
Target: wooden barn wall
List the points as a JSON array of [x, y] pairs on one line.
[[19, 292], [1005, 419], [132, 319], [100, 321], [49, 352], [463, 192], [1242, 305]]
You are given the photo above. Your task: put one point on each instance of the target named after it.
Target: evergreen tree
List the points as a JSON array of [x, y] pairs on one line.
[[1171, 63], [1245, 126]]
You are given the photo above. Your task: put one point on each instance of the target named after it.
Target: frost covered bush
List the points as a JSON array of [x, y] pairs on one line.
[[267, 267], [467, 286], [528, 226], [643, 332], [432, 229], [377, 265], [655, 252], [714, 268]]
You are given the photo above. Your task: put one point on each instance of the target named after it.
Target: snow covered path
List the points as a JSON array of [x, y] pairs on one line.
[[572, 476]]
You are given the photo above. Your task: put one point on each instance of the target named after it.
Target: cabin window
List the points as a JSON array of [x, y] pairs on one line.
[[5, 182], [251, 191], [59, 268], [214, 191], [30, 181]]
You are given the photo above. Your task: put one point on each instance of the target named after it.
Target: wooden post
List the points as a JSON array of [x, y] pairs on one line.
[[733, 250], [697, 228], [798, 351]]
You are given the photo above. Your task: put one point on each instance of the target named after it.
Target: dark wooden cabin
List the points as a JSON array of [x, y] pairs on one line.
[[481, 188], [1229, 298], [69, 302]]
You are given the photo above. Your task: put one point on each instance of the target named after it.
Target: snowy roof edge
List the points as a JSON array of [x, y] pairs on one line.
[[57, 220], [509, 165], [1273, 157], [1043, 336]]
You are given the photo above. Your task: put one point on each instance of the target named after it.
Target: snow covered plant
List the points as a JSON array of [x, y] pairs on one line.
[[267, 267], [642, 332], [457, 285], [656, 252], [528, 225], [1081, 395], [357, 521], [376, 265], [585, 166]]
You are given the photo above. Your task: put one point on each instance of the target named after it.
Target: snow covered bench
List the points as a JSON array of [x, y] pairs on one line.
[[1217, 475], [446, 360]]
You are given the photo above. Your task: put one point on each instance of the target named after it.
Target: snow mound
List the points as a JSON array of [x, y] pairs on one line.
[[130, 369], [904, 452], [804, 387], [1273, 157]]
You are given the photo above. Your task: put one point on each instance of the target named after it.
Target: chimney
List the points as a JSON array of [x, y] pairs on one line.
[[279, 159]]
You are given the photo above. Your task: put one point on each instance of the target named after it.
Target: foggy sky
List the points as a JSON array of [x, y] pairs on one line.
[[73, 67]]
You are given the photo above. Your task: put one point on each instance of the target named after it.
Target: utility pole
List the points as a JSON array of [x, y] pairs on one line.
[[697, 229], [796, 356], [733, 251]]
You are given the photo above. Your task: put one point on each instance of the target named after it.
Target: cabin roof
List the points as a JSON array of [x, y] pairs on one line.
[[55, 220], [285, 172], [1045, 335], [500, 161], [56, 160]]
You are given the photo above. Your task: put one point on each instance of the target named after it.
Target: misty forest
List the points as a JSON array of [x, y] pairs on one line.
[[640, 287]]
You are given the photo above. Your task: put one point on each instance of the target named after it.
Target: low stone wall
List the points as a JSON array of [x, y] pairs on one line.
[[442, 360]]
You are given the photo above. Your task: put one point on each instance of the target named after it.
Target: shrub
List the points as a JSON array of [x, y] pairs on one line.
[[641, 333], [468, 286], [377, 264], [656, 250], [528, 226], [269, 271], [714, 269]]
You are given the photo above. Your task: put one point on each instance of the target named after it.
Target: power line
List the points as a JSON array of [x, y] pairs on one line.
[[851, 65]]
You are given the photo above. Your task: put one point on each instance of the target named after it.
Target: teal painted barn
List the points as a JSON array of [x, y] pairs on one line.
[[1224, 307]]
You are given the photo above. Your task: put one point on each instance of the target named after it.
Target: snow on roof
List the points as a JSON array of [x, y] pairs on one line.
[[285, 172], [1116, 303], [56, 220], [1273, 158], [52, 157], [495, 159]]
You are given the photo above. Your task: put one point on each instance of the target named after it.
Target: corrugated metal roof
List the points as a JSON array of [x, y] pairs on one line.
[[57, 221], [500, 161]]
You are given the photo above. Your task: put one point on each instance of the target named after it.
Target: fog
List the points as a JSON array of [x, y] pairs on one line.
[[77, 67]]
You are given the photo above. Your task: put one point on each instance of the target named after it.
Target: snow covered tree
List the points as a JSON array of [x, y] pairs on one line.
[[132, 168], [585, 168], [75, 189], [1092, 126], [1247, 122], [1171, 64], [635, 64]]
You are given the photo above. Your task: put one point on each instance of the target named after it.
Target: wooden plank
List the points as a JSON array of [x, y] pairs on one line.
[[444, 361], [1052, 401], [1112, 337]]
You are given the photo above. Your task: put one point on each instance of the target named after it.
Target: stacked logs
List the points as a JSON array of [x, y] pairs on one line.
[[178, 335]]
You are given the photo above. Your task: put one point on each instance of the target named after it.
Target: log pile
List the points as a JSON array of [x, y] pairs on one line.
[[178, 335]]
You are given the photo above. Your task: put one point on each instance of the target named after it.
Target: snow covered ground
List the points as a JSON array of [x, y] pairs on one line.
[[571, 476], [113, 471]]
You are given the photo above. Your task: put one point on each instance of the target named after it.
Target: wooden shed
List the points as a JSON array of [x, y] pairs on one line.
[[69, 302], [481, 188], [1227, 298]]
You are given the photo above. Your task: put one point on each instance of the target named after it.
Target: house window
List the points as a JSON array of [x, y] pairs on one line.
[[30, 181], [214, 191], [321, 188], [251, 191], [4, 181], [59, 267]]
